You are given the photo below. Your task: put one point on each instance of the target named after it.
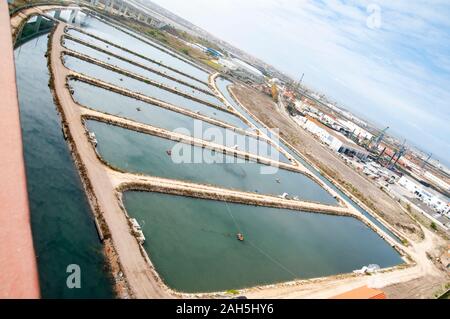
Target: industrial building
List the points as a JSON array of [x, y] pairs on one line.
[[242, 70], [333, 139], [426, 195], [356, 130]]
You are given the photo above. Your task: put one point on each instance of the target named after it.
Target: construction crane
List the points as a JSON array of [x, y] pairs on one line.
[[376, 140], [399, 155], [299, 83], [426, 161]]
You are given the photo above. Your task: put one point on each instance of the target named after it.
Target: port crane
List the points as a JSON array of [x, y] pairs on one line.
[[376, 140], [399, 155]]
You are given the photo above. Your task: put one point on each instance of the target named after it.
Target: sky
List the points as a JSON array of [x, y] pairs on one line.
[[386, 61]]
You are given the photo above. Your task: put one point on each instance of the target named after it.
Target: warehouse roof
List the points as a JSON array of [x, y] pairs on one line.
[[362, 293]]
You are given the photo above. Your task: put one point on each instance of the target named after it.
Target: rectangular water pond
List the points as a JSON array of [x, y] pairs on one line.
[[126, 66], [139, 59], [134, 85], [193, 243], [63, 228], [223, 85], [143, 153], [114, 35], [116, 104]]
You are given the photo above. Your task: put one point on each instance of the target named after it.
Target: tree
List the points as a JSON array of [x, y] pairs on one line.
[[274, 93]]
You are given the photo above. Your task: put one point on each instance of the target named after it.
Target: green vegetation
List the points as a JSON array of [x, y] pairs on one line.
[[433, 226], [212, 64], [189, 38], [352, 189], [408, 208], [173, 38], [185, 51], [232, 292]]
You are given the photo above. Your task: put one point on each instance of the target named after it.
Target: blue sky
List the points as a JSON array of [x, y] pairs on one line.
[[387, 61]]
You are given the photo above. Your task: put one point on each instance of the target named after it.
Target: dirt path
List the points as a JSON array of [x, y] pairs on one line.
[[142, 282], [152, 130], [20, 17], [419, 281], [141, 278], [266, 111], [425, 276]]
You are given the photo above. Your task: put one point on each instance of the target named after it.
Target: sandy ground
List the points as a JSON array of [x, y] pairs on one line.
[[140, 278], [104, 184], [419, 281], [267, 111], [137, 268]]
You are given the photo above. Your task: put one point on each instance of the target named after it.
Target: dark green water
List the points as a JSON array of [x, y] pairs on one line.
[[143, 153], [123, 106], [223, 84], [72, 45], [114, 35], [63, 228], [133, 85], [120, 52], [192, 243]]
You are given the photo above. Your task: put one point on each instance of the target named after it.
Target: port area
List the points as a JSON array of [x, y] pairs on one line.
[[104, 186], [425, 246]]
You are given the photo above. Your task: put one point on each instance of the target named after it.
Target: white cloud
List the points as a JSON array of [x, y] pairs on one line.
[[397, 75]]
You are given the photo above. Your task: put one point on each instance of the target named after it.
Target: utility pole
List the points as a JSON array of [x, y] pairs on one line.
[[426, 161], [300, 82]]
